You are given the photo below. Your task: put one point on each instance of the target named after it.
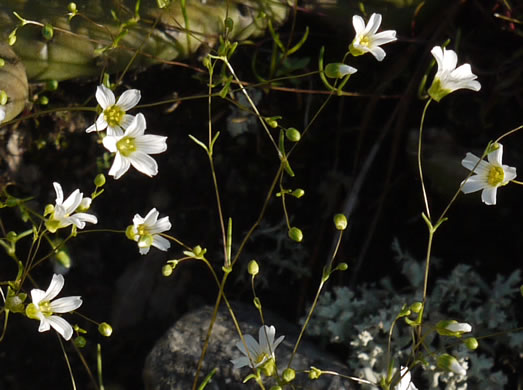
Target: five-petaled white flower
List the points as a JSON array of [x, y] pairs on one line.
[[405, 382], [488, 175], [259, 352], [43, 308], [449, 78], [366, 39], [63, 212], [114, 116], [146, 231], [133, 148]]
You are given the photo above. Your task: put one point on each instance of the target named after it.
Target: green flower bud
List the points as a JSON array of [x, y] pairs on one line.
[[47, 32], [288, 375], [43, 100], [448, 362], [99, 180], [52, 85], [342, 267], [229, 23], [340, 221], [64, 259], [3, 97], [295, 234], [15, 303], [105, 329], [167, 270], [416, 307], [471, 343], [71, 7], [338, 70], [292, 134], [298, 193], [253, 268], [80, 341], [11, 236], [314, 373], [12, 38], [2, 62]]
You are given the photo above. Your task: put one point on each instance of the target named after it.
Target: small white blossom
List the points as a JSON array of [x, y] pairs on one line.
[[63, 212], [133, 148], [259, 352], [450, 363], [43, 307], [114, 115], [405, 382], [366, 39], [2, 113], [488, 175], [449, 78], [146, 231], [459, 327]]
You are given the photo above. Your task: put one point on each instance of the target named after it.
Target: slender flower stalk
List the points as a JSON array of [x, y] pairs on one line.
[[43, 308], [449, 78], [488, 175], [64, 214], [367, 40], [146, 231], [114, 115], [133, 148]]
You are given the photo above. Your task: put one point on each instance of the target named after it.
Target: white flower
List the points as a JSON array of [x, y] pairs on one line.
[[114, 117], [453, 328], [366, 39], [43, 308], [450, 363], [146, 231], [259, 352], [405, 382], [63, 212], [2, 114], [449, 78], [133, 148], [488, 175]]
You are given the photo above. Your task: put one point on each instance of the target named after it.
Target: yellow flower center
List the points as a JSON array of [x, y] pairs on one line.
[[365, 41], [141, 230], [126, 146], [43, 307], [113, 115], [495, 176]]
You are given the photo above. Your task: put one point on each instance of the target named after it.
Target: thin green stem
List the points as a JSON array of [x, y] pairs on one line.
[[424, 191]]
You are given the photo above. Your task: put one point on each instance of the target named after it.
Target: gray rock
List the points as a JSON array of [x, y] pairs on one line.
[[171, 365]]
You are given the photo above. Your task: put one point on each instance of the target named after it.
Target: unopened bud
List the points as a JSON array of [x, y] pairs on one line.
[[167, 270], [342, 267], [80, 341], [298, 193], [416, 307], [48, 32], [471, 343], [288, 375], [292, 134], [295, 234], [3, 97], [105, 329], [99, 180], [338, 70], [340, 221], [253, 268], [450, 363], [71, 7], [314, 373], [43, 100]]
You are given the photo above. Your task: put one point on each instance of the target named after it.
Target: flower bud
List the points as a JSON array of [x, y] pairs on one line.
[[342, 267], [52, 85], [416, 307], [292, 134], [295, 234], [43, 100], [49, 209], [253, 268], [99, 180], [471, 343], [105, 329], [11, 236], [288, 375], [2, 62], [47, 32], [3, 97], [450, 363], [338, 70], [340, 221], [298, 193], [314, 373], [452, 328], [80, 341], [167, 270], [71, 7], [129, 232]]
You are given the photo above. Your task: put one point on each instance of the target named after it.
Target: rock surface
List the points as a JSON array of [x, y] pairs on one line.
[[172, 363]]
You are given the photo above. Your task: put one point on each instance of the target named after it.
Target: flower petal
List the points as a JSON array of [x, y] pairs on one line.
[[56, 285], [59, 193], [110, 141], [358, 23], [136, 127], [104, 96], [61, 326], [473, 184], [66, 304], [151, 217], [488, 196], [99, 125], [119, 167], [161, 243], [151, 144], [144, 163], [128, 99], [373, 24], [162, 225]]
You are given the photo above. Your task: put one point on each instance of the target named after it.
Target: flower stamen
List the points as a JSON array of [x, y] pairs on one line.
[[113, 115], [495, 177], [126, 146]]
